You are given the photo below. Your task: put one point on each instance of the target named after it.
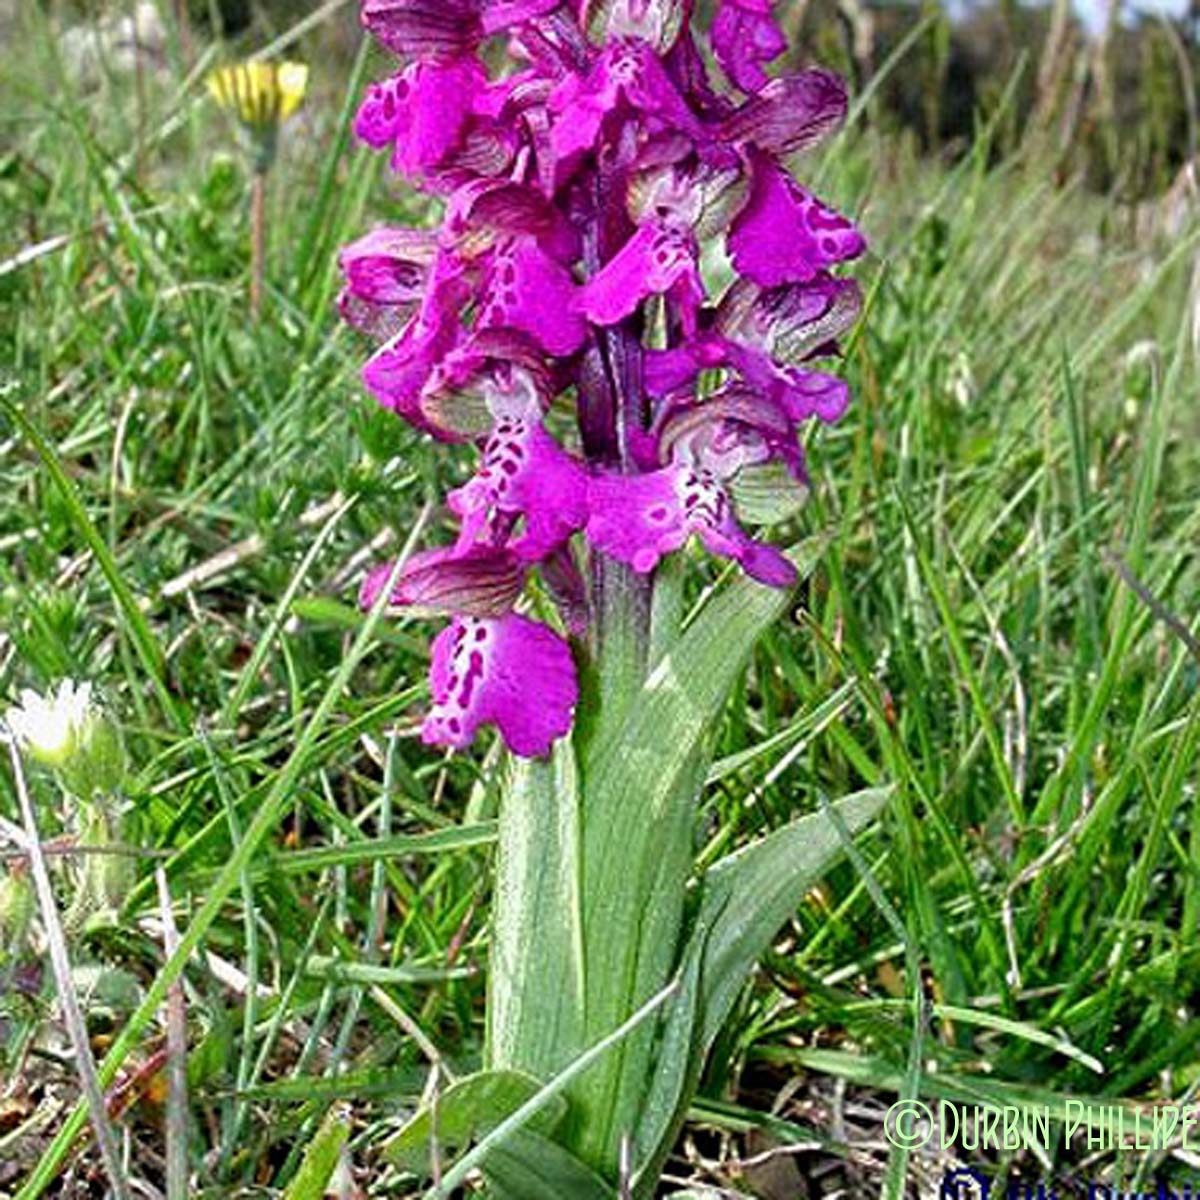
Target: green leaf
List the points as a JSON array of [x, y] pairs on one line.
[[529, 1167], [749, 894], [321, 1156], [404, 1085], [595, 855], [640, 781], [465, 1111], [535, 961], [336, 970], [745, 898], [554, 1091], [372, 850], [1093, 1111]]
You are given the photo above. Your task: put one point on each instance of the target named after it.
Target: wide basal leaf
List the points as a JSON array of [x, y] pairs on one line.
[[464, 1112], [749, 894], [745, 898], [527, 1166]]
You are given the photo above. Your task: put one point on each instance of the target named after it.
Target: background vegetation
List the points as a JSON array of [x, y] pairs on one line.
[[1003, 624]]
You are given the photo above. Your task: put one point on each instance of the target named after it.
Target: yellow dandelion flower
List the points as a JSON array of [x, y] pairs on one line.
[[261, 95]]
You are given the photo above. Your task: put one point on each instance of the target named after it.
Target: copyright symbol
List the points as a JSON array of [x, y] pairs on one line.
[[908, 1124]]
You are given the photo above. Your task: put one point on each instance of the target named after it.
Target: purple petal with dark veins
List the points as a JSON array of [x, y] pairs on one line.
[[480, 581], [793, 112], [424, 28]]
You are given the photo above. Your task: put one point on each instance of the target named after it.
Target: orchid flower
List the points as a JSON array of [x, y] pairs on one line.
[[564, 323]]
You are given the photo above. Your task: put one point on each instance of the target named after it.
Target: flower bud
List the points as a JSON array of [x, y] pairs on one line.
[[16, 913]]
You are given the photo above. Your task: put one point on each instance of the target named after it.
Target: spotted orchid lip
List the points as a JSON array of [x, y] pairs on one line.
[[640, 519], [784, 234], [480, 673], [526, 474], [528, 290]]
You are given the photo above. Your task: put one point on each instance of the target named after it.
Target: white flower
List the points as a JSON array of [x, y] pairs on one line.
[[53, 727], [69, 731]]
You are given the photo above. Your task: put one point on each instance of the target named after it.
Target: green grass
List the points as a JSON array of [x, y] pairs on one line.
[[1024, 440]]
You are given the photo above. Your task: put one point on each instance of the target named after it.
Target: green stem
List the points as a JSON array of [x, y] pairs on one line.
[[258, 223], [621, 605], [103, 880]]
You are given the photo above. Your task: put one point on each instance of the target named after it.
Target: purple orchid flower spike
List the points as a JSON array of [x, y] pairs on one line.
[[560, 319]]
